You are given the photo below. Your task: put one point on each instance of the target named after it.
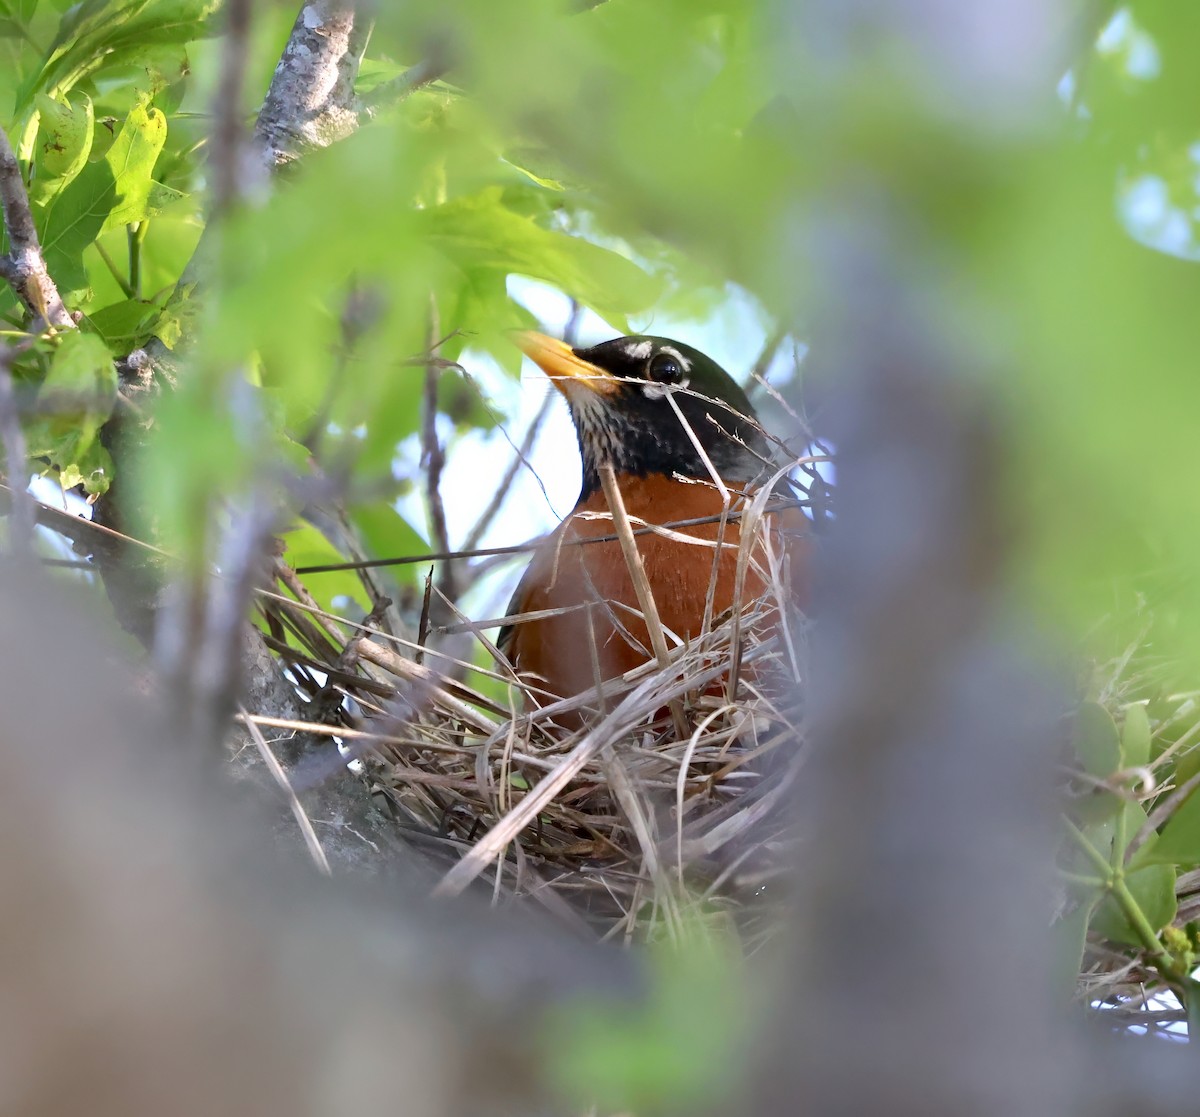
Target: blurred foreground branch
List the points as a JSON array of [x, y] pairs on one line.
[[921, 974], [160, 959], [203, 642]]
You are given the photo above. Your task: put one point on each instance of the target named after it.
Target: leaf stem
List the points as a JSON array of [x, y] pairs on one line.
[[136, 234], [1113, 879], [116, 272]]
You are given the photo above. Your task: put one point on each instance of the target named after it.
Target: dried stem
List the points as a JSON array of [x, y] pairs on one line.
[[280, 777], [641, 584]]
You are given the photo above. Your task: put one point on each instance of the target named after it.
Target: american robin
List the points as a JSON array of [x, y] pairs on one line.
[[666, 418]]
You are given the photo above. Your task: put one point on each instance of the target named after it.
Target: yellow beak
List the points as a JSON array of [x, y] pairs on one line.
[[560, 363]]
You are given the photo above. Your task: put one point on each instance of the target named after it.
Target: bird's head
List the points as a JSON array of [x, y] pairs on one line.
[[647, 405]]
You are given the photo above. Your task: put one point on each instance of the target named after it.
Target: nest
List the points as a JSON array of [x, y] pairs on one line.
[[611, 810]]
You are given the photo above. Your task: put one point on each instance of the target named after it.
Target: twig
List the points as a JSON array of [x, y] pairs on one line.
[[433, 457], [24, 268], [767, 355], [298, 811], [533, 544], [200, 632], [392, 92], [521, 457]]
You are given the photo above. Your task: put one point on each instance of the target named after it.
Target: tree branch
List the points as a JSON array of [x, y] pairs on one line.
[[310, 103], [23, 267]]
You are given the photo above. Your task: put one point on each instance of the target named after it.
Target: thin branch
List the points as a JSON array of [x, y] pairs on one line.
[[521, 457], [24, 268], [433, 457], [663, 530], [280, 777], [767, 354], [392, 92]]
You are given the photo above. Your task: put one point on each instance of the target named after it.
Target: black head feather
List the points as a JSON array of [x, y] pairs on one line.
[[642, 403]]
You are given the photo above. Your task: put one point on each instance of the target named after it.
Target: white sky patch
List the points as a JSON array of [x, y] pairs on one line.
[[1135, 49], [1150, 217]]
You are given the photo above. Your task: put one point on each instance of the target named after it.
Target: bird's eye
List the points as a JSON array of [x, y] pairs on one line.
[[665, 368]]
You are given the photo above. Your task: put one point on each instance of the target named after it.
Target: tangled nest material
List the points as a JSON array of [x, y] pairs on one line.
[[673, 790]]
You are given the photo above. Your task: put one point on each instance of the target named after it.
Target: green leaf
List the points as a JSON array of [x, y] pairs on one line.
[[385, 532], [1179, 841], [114, 191], [1097, 742], [73, 220], [74, 401], [306, 546], [93, 469], [63, 142], [1153, 890], [96, 36], [1070, 935], [132, 158], [481, 232], [674, 1053], [1135, 737], [125, 325], [1117, 826]]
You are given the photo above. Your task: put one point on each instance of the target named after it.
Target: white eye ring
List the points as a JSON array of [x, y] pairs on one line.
[[654, 390]]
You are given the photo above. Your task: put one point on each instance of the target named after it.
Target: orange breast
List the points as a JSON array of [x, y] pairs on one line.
[[592, 580]]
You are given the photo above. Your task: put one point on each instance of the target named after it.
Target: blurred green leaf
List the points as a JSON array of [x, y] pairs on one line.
[[306, 546], [481, 232], [678, 1051], [1135, 737], [96, 35], [1070, 937], [74, 401], [385, 532], [1097, 742]]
